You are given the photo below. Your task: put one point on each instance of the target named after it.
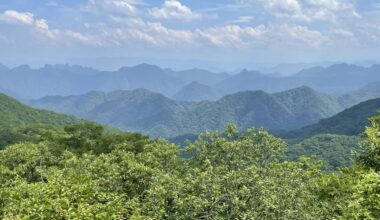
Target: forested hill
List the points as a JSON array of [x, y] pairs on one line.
[[15, 114], [156, 115], [351, 121], [370, 91]]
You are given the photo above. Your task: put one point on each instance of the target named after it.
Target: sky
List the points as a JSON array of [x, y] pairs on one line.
[[222, 34]]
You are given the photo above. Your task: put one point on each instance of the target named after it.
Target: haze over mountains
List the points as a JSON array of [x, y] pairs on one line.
[[26, 83]]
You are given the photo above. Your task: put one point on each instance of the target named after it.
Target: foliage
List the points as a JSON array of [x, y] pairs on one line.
[[83, 172], [371, 145], [334, 150]]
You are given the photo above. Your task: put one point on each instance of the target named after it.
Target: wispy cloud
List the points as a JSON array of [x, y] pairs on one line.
[[15, 17], [286, 25], [308, 10], [173, 9], [242, 19]]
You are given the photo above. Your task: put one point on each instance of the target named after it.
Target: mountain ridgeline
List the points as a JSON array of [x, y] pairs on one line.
[[156, 115], [370, 91], [63, 80], [24, 82], [351, 122]]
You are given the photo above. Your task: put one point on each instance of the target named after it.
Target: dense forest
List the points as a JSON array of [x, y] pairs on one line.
[[82, 171]]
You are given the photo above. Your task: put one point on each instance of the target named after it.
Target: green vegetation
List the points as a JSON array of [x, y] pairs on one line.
[[155, 115], [333, 150], [349, 122], [83, 172], [371, 145], [14, 114]]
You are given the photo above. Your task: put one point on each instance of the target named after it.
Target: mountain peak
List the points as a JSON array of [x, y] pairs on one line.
[[22, 68], [341, 66], [144, 67], [306, 89], [195, 83]]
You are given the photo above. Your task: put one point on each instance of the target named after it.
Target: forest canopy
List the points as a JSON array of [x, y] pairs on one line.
[[84, 172]]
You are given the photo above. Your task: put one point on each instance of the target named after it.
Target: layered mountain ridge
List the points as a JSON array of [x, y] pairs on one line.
[[157, 115]]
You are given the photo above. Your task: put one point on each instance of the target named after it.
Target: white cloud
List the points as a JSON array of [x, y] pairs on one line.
[[41, 26], [41, 29], [272, 35], [134, 31], [15, 17], [308, 10], [242, 19], [151, 33], [83, 38], [344, 33], [124, 7], [173, 9], [233, 35], [301, 35]]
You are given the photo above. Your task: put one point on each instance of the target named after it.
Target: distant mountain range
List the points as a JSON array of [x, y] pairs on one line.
[[26, 83], [156, 115], [288, 69]]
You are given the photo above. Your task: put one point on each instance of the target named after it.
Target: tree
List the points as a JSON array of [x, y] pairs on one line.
[[371, 146]]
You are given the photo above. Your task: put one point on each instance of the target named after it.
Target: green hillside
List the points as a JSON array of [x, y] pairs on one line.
[[307, 104], [351, 121], [15, 114], [157, 115], [370, 91]]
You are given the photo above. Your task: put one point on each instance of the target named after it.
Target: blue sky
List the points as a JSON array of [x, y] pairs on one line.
[[223, 34]]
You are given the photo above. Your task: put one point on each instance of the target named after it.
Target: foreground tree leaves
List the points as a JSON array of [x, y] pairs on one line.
[[83, 172]]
